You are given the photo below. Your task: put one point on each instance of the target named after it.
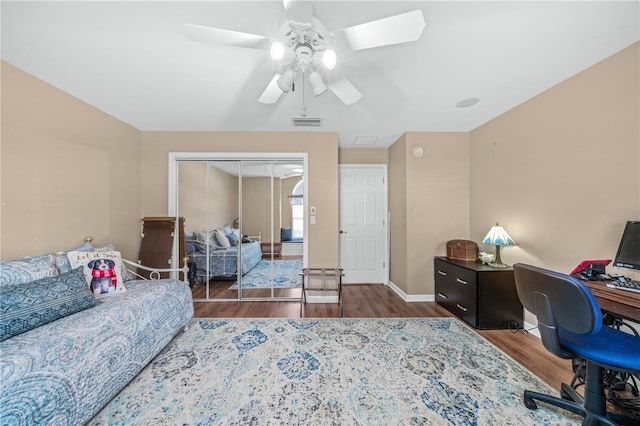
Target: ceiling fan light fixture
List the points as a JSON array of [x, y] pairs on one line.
[[285, 81], [329, 59], [325, 58], [277, 50], [317, 84]]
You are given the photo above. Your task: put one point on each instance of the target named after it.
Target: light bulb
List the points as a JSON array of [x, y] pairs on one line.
[[277, 50], [329, 59]]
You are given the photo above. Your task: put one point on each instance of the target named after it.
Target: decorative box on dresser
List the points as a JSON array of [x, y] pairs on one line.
[[482, 296]]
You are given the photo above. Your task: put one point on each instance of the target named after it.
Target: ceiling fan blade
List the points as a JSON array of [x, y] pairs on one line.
[[396, 29], [225, 37], [272, 93], [345, 91], [298, 11]]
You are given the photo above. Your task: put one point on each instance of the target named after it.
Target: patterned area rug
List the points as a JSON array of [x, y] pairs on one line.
[[280, 273], [429, 371]]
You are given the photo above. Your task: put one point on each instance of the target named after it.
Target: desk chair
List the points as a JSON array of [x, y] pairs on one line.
[[570, 324]]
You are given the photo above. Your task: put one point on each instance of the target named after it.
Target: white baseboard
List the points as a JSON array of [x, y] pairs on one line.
[[411, 297]]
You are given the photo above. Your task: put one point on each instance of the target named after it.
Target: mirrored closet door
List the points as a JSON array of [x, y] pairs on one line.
[[244, 226]]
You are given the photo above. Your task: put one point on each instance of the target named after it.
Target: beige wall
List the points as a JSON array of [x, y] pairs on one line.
[[322, 149], [363, 156], [397, 189], [206, 208], [561, 172], [435, 208], [68, 171], [437, 202], [256, 203], [223, 200]]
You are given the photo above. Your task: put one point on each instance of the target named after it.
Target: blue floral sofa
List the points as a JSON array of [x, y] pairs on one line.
[[65, 354]]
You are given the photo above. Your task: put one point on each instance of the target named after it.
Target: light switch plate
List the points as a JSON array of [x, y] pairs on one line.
[[312, 210], [312, 220]]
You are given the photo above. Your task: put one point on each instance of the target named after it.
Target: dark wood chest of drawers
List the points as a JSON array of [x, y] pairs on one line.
[[482, 296]]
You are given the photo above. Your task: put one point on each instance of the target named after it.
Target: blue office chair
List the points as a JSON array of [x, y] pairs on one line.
[[570, 324]]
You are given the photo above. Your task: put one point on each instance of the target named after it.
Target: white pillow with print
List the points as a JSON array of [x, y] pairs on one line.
[[102, 271]]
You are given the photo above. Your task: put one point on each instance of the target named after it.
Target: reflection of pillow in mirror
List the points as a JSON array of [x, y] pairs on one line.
[[222, 239], [233, 239], [285, 234], [191, 246]]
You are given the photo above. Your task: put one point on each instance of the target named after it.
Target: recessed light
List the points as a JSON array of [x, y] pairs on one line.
[[465, 103]]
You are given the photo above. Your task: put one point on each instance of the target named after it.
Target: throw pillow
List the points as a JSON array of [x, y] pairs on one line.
[[102, 271], [233, 239], [126, 275], [26, 306], [204, 239], [285, 234], [63, 264], [62, 258], [29, 269], [222, 239]]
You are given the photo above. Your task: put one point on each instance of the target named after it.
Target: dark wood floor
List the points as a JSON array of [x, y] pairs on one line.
[[379, 301]]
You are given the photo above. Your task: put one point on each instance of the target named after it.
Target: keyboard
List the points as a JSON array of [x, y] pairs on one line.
[[627, 285]]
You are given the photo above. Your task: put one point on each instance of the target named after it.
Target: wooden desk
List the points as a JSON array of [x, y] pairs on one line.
[[620, 302]]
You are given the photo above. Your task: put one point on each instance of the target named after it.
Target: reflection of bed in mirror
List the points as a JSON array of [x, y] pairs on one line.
[[222, 261]]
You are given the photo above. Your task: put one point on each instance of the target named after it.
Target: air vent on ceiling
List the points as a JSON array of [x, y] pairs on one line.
[[306, 121]]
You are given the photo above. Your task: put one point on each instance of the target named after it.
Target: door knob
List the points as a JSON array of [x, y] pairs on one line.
[[343, 232]]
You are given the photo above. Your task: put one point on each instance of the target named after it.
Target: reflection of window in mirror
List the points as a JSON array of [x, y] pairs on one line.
[[297, 212]]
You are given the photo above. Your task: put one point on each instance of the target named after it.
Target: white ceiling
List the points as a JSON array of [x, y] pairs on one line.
[[131, 60]]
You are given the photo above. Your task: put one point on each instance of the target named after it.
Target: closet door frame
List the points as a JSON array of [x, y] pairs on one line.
[[175, 157]]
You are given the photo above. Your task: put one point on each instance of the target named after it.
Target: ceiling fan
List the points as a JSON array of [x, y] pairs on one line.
[[304, 45]]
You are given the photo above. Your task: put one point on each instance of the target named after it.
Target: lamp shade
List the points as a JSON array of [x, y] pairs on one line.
[[286, 81], [499, 237], [317, 84]]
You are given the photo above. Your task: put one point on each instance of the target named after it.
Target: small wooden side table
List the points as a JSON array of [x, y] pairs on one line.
[[271, 249]]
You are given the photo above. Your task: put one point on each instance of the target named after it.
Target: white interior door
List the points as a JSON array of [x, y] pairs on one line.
[[363, 223]]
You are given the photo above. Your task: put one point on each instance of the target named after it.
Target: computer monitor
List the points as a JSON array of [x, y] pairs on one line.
[[628, 255]]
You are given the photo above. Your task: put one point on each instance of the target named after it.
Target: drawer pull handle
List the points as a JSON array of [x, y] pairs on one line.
[[442, 273], [461, 281], [462, 308], [444, 296]]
